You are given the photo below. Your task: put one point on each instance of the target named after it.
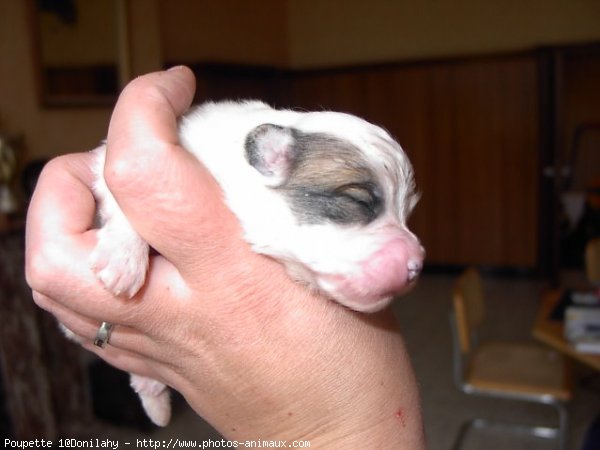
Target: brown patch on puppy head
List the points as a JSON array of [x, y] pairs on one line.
[[323, 178], [331, 181]]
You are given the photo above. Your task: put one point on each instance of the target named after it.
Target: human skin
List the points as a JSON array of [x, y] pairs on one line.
[[256, 354]]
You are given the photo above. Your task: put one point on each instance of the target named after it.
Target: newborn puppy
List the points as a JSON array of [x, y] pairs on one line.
[[326, 194]]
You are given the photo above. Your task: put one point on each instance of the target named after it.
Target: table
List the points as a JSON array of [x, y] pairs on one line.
[[551, 332]]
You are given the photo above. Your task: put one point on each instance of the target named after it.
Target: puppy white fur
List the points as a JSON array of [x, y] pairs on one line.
[[326, 194]]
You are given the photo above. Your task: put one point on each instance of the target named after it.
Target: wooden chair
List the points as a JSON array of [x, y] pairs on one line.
[[592, 261], [507, 370]]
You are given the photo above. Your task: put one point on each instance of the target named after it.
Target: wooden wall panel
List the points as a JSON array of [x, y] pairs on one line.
[[496, 145], [229, 82], [338, 90], [581, 97]]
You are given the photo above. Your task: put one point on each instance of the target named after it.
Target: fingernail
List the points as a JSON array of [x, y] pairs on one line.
[[175, 68]]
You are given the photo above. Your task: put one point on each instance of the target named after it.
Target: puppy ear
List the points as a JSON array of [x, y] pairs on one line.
[[270, 149]]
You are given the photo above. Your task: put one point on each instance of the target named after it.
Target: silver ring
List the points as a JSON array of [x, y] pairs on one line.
[[103, 334]]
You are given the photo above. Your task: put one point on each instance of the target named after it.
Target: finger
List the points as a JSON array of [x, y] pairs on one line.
[[86, 328], [124, 360], [157, 184], [149, 106], [126, 348], [59, 219], [70, 207], [72, 286]]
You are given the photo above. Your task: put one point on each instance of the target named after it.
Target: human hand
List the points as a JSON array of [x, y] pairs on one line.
[[255, 354]]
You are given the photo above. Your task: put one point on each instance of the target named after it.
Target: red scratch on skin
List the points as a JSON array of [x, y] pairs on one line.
[[400, 416]]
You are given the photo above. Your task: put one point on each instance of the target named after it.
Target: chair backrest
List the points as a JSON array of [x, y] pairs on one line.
[[592, 261], [468, 303]]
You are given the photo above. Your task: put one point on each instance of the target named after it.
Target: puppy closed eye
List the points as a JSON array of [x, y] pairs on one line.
[[348, 204], [365, 195]]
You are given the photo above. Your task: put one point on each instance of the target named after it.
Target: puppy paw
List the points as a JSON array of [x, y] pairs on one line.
[[120, 262], [69, 334], [155, 397]]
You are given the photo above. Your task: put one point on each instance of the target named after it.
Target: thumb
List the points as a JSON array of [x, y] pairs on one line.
[[167, 195]]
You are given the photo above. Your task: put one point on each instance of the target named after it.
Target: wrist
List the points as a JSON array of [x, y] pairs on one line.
[[375, 403]]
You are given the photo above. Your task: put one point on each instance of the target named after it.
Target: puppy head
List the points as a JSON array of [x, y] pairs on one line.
[[350, 188]]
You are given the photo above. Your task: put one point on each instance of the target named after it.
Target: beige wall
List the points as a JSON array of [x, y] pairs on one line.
[[341, 32]]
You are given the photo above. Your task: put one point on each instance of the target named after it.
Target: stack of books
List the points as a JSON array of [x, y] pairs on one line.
[[582, 322]]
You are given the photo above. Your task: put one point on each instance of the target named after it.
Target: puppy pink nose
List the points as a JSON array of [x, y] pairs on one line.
[[392, 268], [389, 271]]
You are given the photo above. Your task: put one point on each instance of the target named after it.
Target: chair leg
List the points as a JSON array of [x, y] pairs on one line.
[[483, 424], [563, 425], [560, 433], [462, 433]]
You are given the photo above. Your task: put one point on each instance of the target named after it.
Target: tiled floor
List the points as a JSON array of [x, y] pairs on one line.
[[423, 317]]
